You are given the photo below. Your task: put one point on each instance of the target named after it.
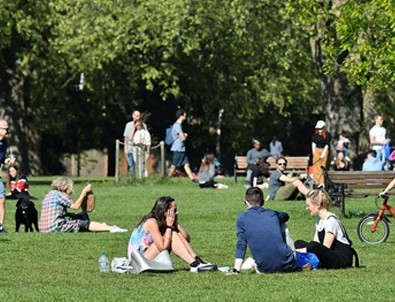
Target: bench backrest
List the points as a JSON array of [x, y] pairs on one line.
[[361, 179], [295, 163]]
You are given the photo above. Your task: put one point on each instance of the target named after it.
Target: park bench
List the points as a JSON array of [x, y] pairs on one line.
[[296, 164], [342, 184]]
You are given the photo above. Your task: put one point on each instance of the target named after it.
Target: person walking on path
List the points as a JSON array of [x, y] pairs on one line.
[[180, 158], [4, 131], [129, 132]]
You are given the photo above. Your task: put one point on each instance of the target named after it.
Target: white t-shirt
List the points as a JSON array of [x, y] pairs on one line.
[[332, 225], [379, 133]]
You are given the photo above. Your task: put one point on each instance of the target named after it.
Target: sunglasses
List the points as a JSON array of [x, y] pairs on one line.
[[282, 164]]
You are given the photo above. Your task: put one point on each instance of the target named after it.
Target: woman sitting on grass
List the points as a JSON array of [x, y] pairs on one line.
[[207, 173], [331, 243], [54, 211], [159, 230], [17, 183]]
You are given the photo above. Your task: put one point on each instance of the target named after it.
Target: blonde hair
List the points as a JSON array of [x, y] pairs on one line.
[[63, 184], [319, 197]]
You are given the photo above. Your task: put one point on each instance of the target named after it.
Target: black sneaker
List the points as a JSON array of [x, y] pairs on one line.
[[2, 229], [203, 267]]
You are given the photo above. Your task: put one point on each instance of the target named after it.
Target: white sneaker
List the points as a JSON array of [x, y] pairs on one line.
[[248, 264], [203, 267], [116, 229]]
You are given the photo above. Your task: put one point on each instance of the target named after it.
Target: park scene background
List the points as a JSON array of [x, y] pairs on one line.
[[72, 71]]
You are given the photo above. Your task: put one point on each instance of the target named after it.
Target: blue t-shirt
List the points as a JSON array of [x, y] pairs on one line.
[[178, 144], [260, 230]]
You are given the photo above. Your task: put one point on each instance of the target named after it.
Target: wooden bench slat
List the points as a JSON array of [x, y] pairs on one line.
[[337, 181], [296, 164]]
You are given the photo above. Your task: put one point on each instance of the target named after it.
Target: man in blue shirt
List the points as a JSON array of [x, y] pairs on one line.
[[372, 162], [4, 130], [262, 231], [178, 147]]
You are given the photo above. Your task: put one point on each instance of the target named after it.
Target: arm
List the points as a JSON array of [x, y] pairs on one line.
[[389, 187], [77, 204], [249, 158], [162, 242], [241, 245], [288, 179], [328, 240]]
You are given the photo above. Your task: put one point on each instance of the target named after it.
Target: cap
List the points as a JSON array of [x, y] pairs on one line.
[[320, 124]]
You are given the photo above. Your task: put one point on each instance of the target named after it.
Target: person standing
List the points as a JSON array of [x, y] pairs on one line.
[[178, 147], [141, 145], [4, 131], [377, 137], [276, 148], [320, 148], [129, 132]]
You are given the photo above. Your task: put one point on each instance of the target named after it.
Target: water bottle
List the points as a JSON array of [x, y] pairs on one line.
[[104, 266]]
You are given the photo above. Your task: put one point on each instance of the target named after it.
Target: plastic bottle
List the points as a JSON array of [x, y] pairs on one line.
[[104, 266]]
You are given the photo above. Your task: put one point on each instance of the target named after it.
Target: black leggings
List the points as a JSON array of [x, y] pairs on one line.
[[330, 259]]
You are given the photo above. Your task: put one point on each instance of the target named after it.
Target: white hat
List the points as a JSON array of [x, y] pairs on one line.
[[320, 124]]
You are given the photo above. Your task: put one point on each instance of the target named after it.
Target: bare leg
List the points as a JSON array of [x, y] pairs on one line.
[[179, 245], [99, 227], [2, 210], [171, 170], [182, 248], [188, 171], [301, 187]]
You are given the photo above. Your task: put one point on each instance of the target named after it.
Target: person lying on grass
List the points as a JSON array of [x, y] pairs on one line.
[[54, 216], [331, 243], [159, 230]]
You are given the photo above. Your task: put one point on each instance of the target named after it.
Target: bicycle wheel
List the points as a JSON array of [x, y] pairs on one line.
[[365, 233]]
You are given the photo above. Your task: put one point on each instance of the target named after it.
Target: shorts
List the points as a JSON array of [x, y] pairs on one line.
[[81, 221], [179, 159], [288, 192], [84, 225], [2, 189]]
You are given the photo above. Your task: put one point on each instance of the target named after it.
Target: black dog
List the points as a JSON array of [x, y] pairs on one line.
[[26, 213]]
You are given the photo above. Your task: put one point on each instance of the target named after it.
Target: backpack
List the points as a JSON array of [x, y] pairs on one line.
[[169, 139]]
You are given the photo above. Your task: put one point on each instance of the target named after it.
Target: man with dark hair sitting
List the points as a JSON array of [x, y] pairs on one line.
[[264, 232]]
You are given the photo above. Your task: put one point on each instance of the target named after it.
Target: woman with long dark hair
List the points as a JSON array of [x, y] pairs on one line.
[[159, 230]]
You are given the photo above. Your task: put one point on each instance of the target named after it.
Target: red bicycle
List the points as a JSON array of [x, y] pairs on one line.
[[374, 228]]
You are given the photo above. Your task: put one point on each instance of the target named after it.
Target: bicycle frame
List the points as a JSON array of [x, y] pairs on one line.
[[385, 207]]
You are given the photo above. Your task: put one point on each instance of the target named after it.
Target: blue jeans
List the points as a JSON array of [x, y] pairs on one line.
[[131, 164]]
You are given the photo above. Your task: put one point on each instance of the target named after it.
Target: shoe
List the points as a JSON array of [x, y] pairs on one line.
[[116, 229], [248, 264], [203, 267], [2, 229], [195, 180]]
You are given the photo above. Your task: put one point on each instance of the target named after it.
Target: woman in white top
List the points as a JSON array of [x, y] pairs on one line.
[[331, 243], [141, 146]]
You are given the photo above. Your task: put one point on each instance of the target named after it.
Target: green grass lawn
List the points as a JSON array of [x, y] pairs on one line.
[[63, 267]]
